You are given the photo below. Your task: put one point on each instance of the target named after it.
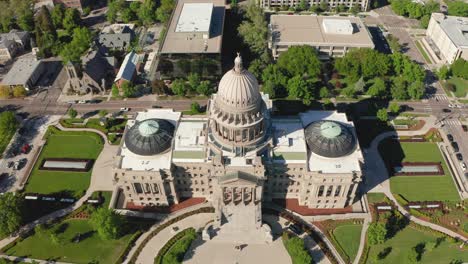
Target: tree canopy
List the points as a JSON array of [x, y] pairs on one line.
[[10, 218], [376, 233], [367, 63], [108, 223], [80, 43], [253, 29], [300, 60], [457, 8]]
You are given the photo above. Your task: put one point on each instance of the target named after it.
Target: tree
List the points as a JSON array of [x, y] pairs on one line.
[[195, 108], [146, 13], [360, 85], [459, 68], [277, 79], [103, 113], [254, 29], [271, 89], [443, 73], [163, 13], [128, 89], [377, 231], [430, 246], [382, 115], [108, 223], [204, 88], [46, 35], [393, 43], [323, 6], [58, 13], [8, 122], [398, 88], [349, 92], [72, 113], [299, 88], [6, 16], [256, 67], [128, 15], [113, 8], [158, 87], [179, 87], [300, 60], [303, 5], [314, 9], [324, 92], [5, 92], [457, 8], [424, 21], [10, 218], [19, 91], [378, 88], [24, 14], [80, 43], [394, 108], [416, 90], [193, 80], [365, 63], [71, 19], [413, 256], [115, 91], [40, 229], [355, 9]]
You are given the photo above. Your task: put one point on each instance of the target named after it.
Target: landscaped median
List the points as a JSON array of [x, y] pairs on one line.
[[174, 250], [113, 128], [64, 144], [344, 234]]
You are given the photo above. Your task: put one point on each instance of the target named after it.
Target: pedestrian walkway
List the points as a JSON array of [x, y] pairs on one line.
[[29, 260], [451, 122]]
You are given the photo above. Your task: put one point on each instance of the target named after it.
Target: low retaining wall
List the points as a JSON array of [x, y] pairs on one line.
[[439, 172], [88, 164]]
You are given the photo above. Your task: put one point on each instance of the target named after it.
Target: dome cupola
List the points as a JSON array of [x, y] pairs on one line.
[[329, 139], [150, 137]]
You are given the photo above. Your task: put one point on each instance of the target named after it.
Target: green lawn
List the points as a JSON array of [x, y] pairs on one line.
[[375, 197], [404, 242], [90, 249], [418, 188], [85, 145], [4, 141], [348, 237], [461, 86], [423, 52]]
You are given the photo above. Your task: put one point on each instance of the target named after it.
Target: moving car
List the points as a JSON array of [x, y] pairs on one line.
[[72, 102], [465, 128], [450, 137], [124, 109], [445, 110], [463, 165], [459, 156], [455, 146]]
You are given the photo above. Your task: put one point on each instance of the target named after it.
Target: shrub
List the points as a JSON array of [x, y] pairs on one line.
[[376, 233]]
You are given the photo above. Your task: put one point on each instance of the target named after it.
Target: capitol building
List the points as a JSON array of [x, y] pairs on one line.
[[238, 155]]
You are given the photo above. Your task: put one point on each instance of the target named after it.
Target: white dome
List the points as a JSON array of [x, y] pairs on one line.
[[238, 88]]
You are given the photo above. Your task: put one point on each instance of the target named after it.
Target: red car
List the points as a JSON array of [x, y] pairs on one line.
[[25, 149]]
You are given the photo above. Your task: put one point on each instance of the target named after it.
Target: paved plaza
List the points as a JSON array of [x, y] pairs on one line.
[[214, 252]]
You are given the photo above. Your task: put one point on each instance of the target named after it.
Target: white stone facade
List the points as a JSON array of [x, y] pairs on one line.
[[271, 4]]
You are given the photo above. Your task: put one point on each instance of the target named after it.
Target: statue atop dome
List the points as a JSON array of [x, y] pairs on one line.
[[238, 63]]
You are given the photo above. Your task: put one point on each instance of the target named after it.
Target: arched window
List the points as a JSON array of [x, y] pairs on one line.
[[320, 191]]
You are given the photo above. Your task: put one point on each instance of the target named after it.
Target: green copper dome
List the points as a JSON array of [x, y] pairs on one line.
[[329, 139], [150, 137]]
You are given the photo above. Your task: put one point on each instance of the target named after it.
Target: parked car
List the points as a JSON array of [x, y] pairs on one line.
[[459, 156], [82, 101], [3, 176], [463, 165], [95, 101], [450, 137], [455, 146], [72, 102], [296, 229], [465, 128], [25, 148], [10, 164], [445, 110], [124, 109], [451, 106]]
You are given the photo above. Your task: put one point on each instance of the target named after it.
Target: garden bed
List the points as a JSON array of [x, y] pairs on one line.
[[417, 169], [66, 164]]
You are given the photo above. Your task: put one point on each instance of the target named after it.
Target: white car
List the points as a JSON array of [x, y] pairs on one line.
[[124, 109], [72, 102], [450, 105], [463, 165], [459, 106], [82, 102]]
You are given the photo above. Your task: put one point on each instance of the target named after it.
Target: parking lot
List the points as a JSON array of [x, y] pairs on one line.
[[30, 133]]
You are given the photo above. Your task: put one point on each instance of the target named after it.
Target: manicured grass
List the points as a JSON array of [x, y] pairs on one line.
[[348, 237], [418, 188], [90, 249], [423, 52], [461, 86], [375, 197], [177, 247], [405, 240], [65, 145]]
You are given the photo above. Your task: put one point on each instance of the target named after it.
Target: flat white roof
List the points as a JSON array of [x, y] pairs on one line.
[[189, 144], [136, 162], [290, 145], [345, 164], [337, 26], [195, 17]]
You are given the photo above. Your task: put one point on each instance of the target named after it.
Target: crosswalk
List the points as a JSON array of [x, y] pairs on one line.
[[452, 122], [439, 97]]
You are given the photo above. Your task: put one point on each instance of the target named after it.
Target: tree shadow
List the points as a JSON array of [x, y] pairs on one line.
[[384, 253], [61, 228]]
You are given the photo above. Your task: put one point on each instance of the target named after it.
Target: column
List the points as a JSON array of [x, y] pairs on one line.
[[345, 190]]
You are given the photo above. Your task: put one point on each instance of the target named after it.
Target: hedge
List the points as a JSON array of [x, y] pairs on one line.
[[129, 246], [161, 227], [52, 130], [177, 238]]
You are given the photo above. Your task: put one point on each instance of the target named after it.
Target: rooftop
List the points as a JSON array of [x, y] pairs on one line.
[[189, 140], [289, 142], [317, 30], [137, 162], [21, 71], [118, 28], [195, 17], [343, 164], [455, 27], [128, 67], [190, 32]]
